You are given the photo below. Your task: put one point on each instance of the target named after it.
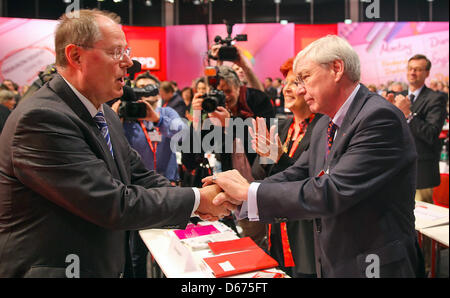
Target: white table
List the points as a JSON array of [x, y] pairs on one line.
[[439, 234], [432, 221], [430, 215], [159, 243]]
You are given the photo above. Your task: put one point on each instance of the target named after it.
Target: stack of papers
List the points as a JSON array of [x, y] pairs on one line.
[[238, 256]]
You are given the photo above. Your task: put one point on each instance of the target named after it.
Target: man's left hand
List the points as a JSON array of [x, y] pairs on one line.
[[152, 115], [219, 116]]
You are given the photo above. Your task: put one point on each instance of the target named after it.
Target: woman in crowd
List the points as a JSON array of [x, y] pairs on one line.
[[187, 95], [290, 243]]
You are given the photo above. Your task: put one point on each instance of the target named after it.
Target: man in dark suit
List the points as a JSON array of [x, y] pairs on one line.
[[425, 111], [356, 180], [70, 184], [172, 99], [4, 113]]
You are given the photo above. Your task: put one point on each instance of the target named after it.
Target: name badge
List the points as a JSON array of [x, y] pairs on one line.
[[154, 136]]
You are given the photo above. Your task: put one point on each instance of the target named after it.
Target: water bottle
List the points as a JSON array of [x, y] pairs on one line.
[[444, 153]]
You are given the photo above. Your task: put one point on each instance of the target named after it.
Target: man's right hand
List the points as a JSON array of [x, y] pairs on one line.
[[233, 184], [197, 101], [207, 210]]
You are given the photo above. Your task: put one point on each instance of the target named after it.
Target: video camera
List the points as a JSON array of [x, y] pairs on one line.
[[130, 109], [214, 98], [227, 51]]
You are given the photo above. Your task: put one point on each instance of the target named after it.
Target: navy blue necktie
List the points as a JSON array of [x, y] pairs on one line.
[[411, 98], [101, 123]]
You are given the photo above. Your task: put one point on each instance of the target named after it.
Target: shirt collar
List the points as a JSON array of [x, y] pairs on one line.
[[339, 117], [86, 102], [416, 93]]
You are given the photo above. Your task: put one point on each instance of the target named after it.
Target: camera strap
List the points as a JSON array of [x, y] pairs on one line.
[[149, 141]]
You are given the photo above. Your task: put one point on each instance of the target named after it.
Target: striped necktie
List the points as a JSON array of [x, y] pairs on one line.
[[331, 131], [103, 126]]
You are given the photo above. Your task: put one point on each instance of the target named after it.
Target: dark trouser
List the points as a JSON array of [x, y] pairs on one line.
[[139, 253]]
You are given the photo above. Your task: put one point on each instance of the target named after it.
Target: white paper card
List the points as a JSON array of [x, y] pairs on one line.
[[226, 266], [181, 256]]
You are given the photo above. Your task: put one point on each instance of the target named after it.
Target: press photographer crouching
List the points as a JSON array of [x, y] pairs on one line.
[[149, 129]]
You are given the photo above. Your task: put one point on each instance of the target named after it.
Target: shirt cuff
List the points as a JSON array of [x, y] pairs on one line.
[[158, 124], [197, 201], [253, 214]]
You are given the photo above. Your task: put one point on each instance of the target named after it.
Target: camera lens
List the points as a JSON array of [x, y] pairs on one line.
[[209, 104]]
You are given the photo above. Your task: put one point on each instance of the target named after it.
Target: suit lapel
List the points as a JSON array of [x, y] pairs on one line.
[[353, 111], [304, 143], [320, 152], [60, 87], [115, 131], [420, 100]]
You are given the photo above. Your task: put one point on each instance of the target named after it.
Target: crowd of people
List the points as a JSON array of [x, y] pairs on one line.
[[321, 208]]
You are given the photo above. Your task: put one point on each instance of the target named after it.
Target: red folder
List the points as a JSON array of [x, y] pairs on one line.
[[240, 262], [221, 247]]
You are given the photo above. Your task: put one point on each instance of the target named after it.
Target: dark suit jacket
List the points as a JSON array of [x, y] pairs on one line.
[[300, 232], [364, 205], [62, 193], [4, 113], [177, 103], [429, 113]]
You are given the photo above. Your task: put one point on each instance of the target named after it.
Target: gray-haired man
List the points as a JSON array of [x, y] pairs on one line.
[[356, 180]]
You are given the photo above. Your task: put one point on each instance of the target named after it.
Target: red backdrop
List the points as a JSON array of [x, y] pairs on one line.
[[305, 34], [143, 43]]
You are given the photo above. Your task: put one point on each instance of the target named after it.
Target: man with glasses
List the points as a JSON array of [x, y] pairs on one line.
[[70, 184], [426, 111], [356, 179]]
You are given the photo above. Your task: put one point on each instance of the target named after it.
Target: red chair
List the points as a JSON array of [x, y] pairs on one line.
[[440, 193], [440, 198]]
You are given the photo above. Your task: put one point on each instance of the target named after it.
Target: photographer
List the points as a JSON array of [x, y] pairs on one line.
[[150, 137], [241, 67], [240, 102]]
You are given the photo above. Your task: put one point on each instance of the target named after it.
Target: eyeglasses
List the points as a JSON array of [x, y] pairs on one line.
[[412, 69], [117, 53], [302, 80]]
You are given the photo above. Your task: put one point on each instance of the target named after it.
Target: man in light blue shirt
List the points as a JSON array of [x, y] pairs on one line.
[[151, 139]]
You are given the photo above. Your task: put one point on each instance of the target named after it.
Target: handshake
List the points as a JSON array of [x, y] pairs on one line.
[[221, 194]]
